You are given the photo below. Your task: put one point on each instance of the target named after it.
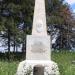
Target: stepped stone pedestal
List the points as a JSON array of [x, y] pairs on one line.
[[38, 47], [26, 67]]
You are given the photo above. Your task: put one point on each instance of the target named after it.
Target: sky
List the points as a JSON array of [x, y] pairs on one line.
[[72, 4]]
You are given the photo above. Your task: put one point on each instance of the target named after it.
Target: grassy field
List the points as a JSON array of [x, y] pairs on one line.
[[8, 68], [64, 60]]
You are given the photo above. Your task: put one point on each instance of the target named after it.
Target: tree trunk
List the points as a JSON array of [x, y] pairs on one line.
[[61, 38], [14, 44], [16, 49], [9, 44], [68, 39]]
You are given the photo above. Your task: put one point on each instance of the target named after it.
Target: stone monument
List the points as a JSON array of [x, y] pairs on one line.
[[38, 50]]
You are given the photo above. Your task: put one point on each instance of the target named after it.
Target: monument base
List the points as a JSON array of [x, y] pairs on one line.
[[26, 67]]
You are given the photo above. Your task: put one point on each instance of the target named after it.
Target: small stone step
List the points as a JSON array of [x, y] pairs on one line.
[[38, 70]]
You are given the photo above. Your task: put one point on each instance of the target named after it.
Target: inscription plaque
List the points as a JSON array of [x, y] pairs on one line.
[[38, 47]]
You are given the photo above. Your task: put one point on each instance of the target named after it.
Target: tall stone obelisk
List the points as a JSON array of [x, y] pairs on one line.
[[38, 44], [38, 50], [39, 20]]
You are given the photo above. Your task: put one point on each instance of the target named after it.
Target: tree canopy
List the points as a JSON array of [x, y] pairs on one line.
[[16, 18]]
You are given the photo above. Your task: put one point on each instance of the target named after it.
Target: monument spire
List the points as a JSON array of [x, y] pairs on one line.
[[38, 47], [39, 20]]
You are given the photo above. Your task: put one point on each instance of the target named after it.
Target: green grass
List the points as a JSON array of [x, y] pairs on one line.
[[8, 68], [64, 60]]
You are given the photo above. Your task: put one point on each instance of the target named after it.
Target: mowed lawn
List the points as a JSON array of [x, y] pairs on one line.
[[64, 60]]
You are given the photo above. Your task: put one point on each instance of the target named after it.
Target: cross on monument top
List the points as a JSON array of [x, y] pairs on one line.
[[39, 20]]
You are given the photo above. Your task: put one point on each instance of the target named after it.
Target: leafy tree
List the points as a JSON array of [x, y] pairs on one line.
[[59, 14], [12, 16]]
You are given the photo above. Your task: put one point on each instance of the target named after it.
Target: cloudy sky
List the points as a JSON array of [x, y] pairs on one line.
[[72, 4]]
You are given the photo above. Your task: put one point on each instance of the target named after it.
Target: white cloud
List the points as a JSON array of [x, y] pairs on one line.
[[71, 1]]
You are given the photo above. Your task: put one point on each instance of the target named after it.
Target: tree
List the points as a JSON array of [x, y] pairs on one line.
[[12, 14], [59, 14]]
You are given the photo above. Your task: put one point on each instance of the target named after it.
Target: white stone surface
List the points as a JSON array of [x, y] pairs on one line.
[[50, 67], [38, 48], [39, 20], [38, 51]]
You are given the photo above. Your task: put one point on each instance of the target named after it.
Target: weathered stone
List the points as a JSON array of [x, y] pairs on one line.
[[38, 47], [27, 66], [39, 20]]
